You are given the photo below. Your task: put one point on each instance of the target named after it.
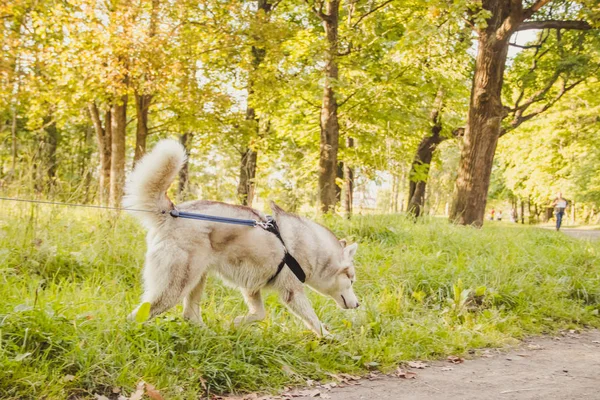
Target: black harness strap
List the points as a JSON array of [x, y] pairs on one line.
[[288, 259]]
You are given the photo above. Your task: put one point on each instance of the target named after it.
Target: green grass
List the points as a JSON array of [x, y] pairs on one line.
[[69, 278]]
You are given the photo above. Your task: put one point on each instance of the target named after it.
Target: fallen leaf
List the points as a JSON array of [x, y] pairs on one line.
[[116, 390], [456, 359], [153, 393], [101, 397], [139, 391], [417, 364], [400, 373], [68, 378], [143, 313]]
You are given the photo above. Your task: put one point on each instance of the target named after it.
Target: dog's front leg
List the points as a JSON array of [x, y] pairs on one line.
[[298, 304], [256, 309]]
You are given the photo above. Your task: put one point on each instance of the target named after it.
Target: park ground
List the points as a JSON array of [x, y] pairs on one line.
[[565, 366], [429, 290]]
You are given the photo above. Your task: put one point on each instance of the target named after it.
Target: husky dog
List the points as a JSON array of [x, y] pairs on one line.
[[181, 252]]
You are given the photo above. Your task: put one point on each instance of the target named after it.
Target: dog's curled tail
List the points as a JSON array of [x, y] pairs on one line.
[[153, 174]]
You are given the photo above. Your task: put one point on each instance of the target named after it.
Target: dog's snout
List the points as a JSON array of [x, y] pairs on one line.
[[357, 304]]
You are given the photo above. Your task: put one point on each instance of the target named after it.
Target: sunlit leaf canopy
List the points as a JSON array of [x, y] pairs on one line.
[[195, 59]]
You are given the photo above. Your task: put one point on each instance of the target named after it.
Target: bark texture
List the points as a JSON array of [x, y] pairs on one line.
[[485, 113], [330, 128], [485, 109], [103, 141], [348, 184], [249, 155], [419, 170], [142, 107], [117, 164], [182, 188]]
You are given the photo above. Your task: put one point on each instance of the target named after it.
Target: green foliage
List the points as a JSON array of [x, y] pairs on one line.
[[69, 279]]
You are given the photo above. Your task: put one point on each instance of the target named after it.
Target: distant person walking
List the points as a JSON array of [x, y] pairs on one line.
[[560, 205], [499, 218], [492, 213]]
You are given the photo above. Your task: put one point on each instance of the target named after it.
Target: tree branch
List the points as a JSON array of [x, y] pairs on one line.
[[319, 13], [532, 46], [552, 24], [535, 7], [371, 11]]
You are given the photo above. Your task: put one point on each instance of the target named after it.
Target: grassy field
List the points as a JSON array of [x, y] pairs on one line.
[[69, 278]]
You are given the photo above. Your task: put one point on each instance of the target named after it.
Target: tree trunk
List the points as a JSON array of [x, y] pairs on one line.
[[339, 176], [348, 183], [13, 133], [249, 154], [50, 150], [329, 119], [419, 170], [522, 212], [103, 140], [117, 162], [483, 125], [185, 140], [247, 177], [142, 106]]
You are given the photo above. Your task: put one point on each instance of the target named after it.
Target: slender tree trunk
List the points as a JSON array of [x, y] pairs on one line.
[[419, 170], [52, 138], [142, 107], [247, 177], [522, 212], [13, 133], [104, 143], [117, 164], [348, 183], [249, 155], [339, 176], [185, 140], [330, 129]]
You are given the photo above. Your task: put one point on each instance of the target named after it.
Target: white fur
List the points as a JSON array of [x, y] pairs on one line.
[[181, 252]]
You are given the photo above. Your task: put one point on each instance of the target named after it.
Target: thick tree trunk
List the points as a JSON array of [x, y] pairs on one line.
[[329, 117], [184, 172], [117, 163], [249, 156], [419, 169], [483, 124], [348, 183], [104, 143], [142, 107]]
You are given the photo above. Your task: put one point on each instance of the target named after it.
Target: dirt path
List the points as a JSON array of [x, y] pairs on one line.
[[581, 234], [566, 367]]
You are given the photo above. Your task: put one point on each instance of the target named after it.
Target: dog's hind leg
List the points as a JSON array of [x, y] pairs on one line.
[[298, 304], [256, 308], [167, 276], [191, 303]]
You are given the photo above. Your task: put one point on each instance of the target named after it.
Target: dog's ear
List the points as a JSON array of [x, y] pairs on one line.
[[350, 251], [343, 242], [275, 208]]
